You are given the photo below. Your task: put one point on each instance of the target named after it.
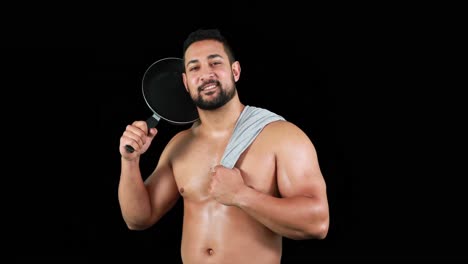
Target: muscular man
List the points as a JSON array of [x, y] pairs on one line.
[[231, 215]]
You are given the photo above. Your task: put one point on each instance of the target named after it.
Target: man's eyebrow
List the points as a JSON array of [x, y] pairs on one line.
[[191, 61], [212, 56]]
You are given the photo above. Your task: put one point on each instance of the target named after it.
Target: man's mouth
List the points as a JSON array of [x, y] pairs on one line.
[[209, 87]]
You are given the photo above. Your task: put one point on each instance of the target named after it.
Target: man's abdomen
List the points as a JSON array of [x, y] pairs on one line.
[[215, 233]]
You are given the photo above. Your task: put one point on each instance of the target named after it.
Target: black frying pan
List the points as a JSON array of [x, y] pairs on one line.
[[165, 94]]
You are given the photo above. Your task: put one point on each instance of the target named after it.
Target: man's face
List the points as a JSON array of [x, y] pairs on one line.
[[208, 76]]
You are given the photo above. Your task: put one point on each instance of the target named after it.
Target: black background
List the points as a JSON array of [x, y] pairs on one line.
[[360, 85]]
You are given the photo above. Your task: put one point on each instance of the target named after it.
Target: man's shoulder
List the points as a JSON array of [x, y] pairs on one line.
[[282, 125], [282, 130], [180, 137]]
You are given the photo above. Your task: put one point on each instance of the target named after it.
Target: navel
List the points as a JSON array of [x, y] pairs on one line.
[[210, 251], [181, 190]]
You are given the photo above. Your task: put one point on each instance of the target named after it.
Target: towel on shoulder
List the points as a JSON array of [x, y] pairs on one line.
[[249, 124]]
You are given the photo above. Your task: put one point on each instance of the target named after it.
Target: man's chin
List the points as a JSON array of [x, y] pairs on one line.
[[207, 105]]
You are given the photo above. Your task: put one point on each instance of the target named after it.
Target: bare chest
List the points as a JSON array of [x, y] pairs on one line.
[[192, 168]]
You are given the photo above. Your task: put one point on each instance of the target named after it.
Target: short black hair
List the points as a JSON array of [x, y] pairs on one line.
[[211, 34]]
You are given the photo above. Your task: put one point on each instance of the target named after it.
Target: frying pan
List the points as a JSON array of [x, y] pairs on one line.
[[164, 93]]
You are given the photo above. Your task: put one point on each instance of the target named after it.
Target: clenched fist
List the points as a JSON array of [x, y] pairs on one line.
[[138, 137], [225, 184]]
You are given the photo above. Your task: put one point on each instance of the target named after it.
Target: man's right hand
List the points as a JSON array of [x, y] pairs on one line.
[[136, 135]]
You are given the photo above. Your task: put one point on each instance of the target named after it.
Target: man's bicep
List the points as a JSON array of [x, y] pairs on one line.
[[298, 170], [162, 190]]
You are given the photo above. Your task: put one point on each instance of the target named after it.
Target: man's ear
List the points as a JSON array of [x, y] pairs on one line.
[[236, 70]]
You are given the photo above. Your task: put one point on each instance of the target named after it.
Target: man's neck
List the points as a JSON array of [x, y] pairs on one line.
[[221, 122]]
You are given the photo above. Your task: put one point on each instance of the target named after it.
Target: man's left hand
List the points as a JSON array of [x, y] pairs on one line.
[[225, 184]]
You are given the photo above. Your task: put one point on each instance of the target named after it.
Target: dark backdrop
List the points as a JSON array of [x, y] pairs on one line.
[[359, 84]]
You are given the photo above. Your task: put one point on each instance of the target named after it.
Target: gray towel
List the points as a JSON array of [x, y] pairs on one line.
[[249, 124]]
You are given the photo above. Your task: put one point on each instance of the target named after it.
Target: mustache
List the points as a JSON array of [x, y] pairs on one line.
[[200, 88]]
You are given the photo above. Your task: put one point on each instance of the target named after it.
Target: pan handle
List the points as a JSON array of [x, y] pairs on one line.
[[150, 122]]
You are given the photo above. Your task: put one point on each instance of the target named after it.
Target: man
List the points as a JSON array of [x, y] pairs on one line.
[[238, 201]]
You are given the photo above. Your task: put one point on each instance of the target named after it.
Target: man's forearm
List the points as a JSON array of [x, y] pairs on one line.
[[297, 217], [133, 196]]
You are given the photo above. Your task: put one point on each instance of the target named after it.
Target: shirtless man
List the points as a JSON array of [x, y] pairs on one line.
[[239, 215]]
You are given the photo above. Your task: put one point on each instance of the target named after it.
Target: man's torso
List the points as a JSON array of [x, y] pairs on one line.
[[213, 232]]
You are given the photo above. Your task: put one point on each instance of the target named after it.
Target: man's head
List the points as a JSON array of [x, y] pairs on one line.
[[209, 34], [211, 70]]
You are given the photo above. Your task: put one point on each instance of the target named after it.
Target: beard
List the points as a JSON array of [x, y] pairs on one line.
[[224, 96]]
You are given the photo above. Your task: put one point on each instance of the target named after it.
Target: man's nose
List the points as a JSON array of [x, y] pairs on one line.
[[207, 75]]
